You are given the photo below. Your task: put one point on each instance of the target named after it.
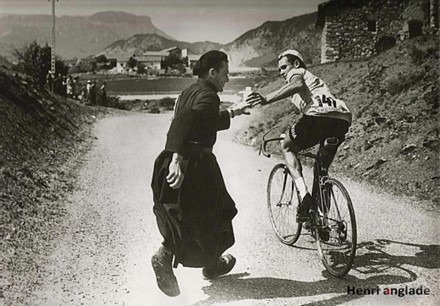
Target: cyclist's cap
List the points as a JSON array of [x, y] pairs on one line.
[[292, 52]]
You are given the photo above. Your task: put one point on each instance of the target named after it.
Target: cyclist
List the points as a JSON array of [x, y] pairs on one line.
[[322, 116]]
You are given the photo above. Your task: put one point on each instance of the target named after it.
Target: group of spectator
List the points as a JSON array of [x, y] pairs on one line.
[[91, 94], [68, 86]]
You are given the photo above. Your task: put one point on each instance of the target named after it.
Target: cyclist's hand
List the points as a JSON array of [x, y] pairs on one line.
[[175, 175], [256, 98]]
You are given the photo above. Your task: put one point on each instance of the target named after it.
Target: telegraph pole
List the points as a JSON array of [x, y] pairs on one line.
[[52, 53]]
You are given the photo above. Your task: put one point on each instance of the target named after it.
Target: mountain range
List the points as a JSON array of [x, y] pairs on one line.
[[261, 46], [123, 34], [76, 36], [138, 43]]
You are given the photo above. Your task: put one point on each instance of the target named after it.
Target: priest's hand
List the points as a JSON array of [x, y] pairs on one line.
[[175, 174]]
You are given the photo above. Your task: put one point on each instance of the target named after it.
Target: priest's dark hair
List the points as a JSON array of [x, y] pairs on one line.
[[211, 59]]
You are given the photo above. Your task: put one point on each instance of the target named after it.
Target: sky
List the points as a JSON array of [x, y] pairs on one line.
[[186, 20]]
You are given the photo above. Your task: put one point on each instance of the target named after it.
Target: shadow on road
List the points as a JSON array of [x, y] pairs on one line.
[[376, 265]]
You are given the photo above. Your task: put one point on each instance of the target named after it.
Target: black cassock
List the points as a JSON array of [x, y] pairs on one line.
[[196, 219]]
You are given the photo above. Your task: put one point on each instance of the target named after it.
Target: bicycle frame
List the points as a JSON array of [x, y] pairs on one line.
[[319, 178], [328, 222]]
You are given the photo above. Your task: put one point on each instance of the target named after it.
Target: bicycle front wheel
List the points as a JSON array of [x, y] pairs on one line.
[[338, 237], [282, 201]]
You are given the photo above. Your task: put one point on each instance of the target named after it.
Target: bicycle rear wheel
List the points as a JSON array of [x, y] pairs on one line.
[[282, 202], [338, 249]]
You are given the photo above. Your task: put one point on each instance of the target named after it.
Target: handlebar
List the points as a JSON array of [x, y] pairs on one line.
[[268, 155], [329, 142], [264, 144]]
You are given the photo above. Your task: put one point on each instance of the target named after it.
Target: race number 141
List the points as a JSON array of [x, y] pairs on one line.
[[325, 100]]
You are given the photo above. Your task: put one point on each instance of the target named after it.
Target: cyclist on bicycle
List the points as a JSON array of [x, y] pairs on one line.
[[322, 116]]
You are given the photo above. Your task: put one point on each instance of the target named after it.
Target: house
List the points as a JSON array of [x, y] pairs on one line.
[[355, 29], [153, 59], [121, 65], [71, 62], [190, 57], [112, 62], [173, 51]]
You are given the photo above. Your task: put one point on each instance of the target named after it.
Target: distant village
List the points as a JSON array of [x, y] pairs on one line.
[[172, 61]]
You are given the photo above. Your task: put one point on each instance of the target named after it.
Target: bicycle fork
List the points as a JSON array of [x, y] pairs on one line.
[[286, 175]]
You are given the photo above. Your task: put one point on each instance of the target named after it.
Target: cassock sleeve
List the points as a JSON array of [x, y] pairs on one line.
[[179, 133], [207, 109]]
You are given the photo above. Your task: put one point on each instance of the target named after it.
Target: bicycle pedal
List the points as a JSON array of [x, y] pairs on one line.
[[324, 234], [307, 225]]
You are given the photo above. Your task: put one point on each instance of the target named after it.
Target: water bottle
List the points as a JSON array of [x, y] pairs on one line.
[[247, 91]]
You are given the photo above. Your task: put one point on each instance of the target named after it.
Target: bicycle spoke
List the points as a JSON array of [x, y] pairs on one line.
[[338, 251], [282, 205]]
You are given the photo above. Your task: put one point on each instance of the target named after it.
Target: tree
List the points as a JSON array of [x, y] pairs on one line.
[[101, 59], [132, 62], [140, 68], [35, 61], [172, 60], [181, 68]]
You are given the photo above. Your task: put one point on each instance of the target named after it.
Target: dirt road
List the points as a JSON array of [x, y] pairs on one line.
[[104, 256]]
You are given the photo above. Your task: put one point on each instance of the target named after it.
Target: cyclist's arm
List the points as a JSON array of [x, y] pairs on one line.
[[295, 85]]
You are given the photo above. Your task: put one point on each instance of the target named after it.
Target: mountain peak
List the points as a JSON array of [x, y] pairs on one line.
[[118, 16]]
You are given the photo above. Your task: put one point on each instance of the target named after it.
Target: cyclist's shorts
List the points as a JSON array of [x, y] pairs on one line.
[[311, 130]]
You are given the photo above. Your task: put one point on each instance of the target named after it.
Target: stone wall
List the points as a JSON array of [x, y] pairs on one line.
[[358, 29]]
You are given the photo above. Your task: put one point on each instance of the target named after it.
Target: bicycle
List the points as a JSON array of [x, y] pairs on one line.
[[331, 220]]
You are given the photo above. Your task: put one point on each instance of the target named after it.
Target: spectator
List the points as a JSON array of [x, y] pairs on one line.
[[75, 87], [49, 81], [92, 93], [84, 93], [69, 87], [64, 86], [102, 96], [87, 93], [58, 84]]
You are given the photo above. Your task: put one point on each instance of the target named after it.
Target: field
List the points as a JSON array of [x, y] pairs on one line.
[[168, 85]]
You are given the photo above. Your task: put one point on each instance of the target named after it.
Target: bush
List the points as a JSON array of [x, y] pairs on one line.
[[401, 82], [35, 61], [417, 55], [115, 102], [166, 103], [154, 110]]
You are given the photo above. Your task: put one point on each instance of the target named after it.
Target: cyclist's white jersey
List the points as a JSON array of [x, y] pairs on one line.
[[317, 100]]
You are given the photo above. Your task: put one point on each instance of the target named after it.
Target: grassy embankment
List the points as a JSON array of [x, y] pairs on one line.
[[43, 140]]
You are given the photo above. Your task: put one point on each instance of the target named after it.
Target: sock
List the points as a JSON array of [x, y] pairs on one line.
[[302, 188]]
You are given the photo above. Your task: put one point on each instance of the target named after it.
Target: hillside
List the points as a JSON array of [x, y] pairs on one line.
[[42, 144], [394, 97], [77, 36], [261, 46], [138, 43]]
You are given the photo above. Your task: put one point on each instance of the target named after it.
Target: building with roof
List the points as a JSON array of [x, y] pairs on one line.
[[173, 51], [189, 57], [121, 64], [154, 60]]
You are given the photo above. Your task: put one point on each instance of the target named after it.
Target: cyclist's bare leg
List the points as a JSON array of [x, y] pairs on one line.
[[293, 164]]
